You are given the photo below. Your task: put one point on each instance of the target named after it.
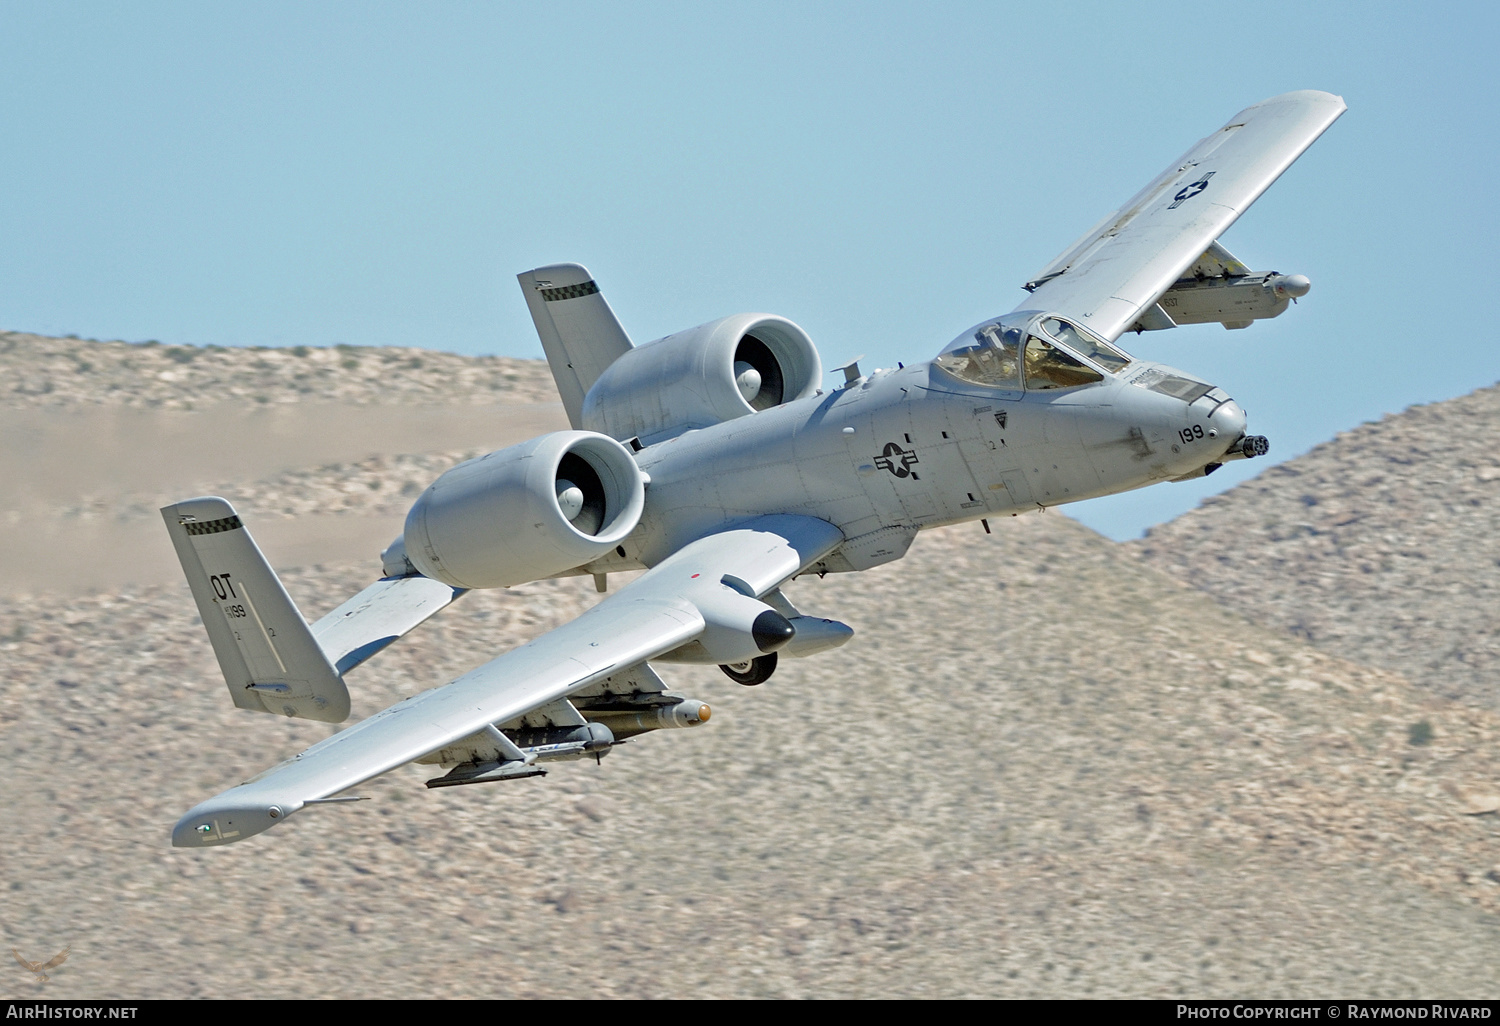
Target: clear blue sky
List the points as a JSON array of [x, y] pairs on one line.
[[883, 174]]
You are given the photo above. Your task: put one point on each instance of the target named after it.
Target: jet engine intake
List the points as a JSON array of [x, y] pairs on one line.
[[527, 512], [706, 375]]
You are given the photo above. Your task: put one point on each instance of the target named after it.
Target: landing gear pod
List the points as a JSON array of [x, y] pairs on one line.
[[736, 629], [527, 512]]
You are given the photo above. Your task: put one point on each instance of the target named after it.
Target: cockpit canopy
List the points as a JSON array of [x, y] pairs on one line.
[[1031, 351]]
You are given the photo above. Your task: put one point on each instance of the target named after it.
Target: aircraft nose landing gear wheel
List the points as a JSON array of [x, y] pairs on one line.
[[755, 671]]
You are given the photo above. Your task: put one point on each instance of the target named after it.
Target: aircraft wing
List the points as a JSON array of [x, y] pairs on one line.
[[1122, 266], [664, 608]]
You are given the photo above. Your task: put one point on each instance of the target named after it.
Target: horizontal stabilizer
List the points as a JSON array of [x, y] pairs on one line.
[[379, 615], [270, 659]]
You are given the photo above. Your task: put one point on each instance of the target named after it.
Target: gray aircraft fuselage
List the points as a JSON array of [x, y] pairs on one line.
[[917, 447]]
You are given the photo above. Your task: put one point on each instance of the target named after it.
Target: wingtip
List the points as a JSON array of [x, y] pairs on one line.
[[1316, 97], [217, 822]]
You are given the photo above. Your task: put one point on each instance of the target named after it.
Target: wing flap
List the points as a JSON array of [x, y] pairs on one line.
[[1118, 270]]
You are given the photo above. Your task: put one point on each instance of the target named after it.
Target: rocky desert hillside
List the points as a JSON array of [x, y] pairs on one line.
[[1043, 767], [1382, 545], [99, 435], [57, 372]]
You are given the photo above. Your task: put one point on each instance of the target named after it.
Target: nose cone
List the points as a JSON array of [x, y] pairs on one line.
[[569, 499], [747, 379], [1290, 286], [1229, 420]]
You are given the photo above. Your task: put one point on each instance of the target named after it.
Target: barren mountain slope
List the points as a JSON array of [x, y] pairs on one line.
[[96, 436], [1381, 545], [1040, 768], [42, 371], [1085, 781]]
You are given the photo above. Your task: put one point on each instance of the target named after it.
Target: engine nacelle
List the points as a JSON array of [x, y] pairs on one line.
[[703, 376], [527, 512]]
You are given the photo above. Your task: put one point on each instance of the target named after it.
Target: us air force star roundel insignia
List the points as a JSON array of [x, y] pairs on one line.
[[1189, 191], [896, 459]]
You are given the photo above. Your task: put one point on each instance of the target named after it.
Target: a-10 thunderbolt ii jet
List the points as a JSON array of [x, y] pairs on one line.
[[713, 460]]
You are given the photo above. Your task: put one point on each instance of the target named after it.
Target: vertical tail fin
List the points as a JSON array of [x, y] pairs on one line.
[[580, 333], [270, 659]]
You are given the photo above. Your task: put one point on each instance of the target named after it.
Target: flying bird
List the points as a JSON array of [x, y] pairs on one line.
[[40, 968]]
